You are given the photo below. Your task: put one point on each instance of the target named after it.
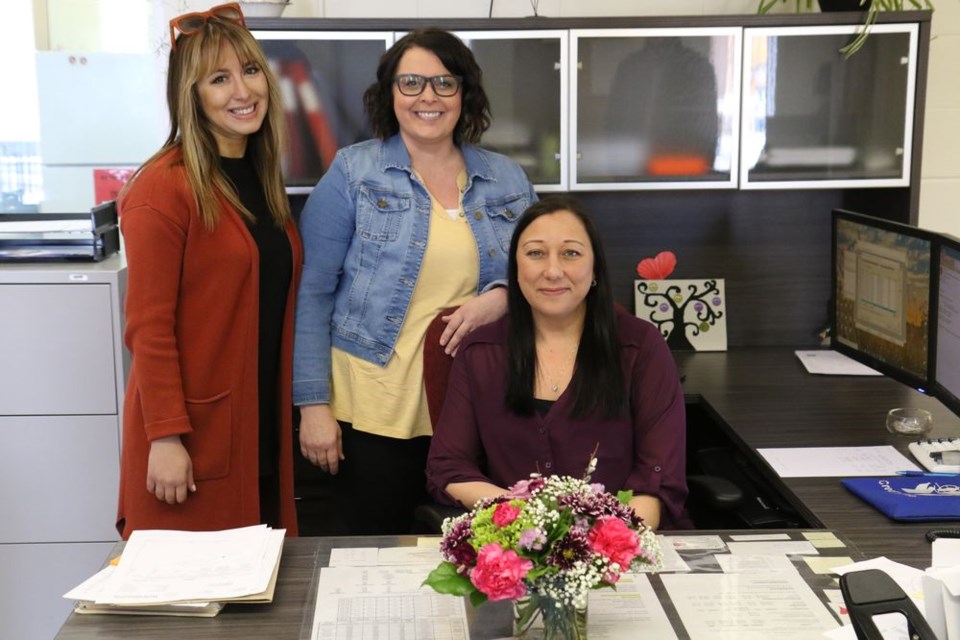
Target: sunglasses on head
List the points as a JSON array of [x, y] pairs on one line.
[[190, 23]]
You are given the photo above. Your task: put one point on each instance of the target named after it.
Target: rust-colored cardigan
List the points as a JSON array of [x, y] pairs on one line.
[[192, 327]]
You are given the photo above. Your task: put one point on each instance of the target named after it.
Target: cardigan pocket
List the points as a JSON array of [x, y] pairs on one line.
[[210, 442]]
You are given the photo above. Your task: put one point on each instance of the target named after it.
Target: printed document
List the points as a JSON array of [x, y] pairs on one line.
[[748, 606], [836, 462]]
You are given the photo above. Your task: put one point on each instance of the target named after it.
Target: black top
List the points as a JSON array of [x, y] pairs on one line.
[[276, 270]]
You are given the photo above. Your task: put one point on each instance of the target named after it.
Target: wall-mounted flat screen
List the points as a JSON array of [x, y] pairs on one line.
[[882, 296]]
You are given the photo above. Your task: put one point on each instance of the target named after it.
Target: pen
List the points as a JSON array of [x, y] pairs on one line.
[[927, 474]]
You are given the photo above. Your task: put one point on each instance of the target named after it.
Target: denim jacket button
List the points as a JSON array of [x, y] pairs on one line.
[[478, 216], [381, 203], [509, 214], [492, 252]]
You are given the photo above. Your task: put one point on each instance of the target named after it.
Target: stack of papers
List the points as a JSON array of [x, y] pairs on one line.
[[187, 573]]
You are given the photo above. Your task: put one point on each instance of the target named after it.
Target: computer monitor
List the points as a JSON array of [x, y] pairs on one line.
[[946, 371], [883, 296]]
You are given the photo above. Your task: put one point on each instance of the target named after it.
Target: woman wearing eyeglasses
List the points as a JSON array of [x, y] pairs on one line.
[[399, 228], [213, 264]]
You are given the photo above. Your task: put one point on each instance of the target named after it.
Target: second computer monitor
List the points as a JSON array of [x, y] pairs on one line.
[[882, 295], [946, 379]]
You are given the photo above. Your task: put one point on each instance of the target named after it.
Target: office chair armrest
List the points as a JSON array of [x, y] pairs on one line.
[[428, 517], [716, 492]]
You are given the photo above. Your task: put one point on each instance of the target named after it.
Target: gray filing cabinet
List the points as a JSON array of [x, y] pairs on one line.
[[62, 375]]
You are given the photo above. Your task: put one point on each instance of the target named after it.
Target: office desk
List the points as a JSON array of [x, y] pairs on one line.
[[767, 399], [763, 397], [290, 614]]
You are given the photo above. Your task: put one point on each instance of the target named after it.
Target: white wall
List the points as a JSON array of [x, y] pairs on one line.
[[75, 22]]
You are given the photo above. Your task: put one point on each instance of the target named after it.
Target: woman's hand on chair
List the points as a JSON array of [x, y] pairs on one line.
[[320, 441], [474, 313]]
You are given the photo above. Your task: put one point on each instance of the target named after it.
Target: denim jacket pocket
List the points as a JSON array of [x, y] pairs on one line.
[[211, 440], [504, 214], [380, 213]]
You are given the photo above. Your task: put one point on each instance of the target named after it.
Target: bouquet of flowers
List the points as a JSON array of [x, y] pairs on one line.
[[544, 544]]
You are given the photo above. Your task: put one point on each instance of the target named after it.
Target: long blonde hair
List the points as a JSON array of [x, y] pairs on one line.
[[194, 58]]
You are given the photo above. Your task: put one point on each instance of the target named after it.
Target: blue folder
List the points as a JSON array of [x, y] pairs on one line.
[[909, 498]]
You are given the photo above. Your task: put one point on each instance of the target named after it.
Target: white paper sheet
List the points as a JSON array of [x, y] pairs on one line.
[[696, 543], [174, 566], [409, 555], [833, 363], [353, 557], [733, 563], [384, 602], [632, 611], [773, 548], [836, 462], [747, 606]]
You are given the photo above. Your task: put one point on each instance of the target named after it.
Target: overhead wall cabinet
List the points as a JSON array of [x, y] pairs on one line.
[[655, 108], [525, 78], [725, 103], [814, 119], [322, 76]]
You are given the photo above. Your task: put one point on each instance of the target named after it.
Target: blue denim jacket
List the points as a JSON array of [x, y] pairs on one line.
[[364, 231]]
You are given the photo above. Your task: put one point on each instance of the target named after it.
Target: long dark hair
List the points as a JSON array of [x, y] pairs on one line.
[[598, 381], [457, 58]]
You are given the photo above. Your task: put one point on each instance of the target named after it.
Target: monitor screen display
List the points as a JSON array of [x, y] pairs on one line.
[[947, 376], [881, 311]]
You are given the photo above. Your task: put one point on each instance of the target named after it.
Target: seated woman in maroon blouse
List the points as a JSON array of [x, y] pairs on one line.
[[562, 376]]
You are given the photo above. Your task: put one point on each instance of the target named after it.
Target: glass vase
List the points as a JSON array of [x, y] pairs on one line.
[[538, 617]]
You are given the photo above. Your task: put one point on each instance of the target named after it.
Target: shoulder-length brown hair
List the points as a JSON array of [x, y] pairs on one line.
[[457, 58], [194, 58]]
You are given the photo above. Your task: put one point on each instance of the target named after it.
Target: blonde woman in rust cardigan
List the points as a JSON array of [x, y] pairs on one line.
[[213, 266]]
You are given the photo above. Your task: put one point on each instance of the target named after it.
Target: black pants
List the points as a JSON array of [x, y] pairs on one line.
[[382, 480]]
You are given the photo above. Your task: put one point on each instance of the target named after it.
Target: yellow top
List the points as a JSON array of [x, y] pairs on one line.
[[391, 401]]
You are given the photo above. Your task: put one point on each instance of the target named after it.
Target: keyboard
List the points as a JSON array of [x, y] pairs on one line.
[[938, 455]]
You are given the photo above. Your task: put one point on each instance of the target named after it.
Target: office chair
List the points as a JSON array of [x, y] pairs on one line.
[[436, 372], [872, 592]]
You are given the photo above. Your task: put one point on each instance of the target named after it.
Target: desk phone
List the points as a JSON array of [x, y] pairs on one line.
[[938, 455]]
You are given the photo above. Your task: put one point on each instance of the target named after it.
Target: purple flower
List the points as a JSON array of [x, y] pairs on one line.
[[532, 539], [456, 548], [664, 307], [716, 301], [569, 549], [524, 489], [698, 306]]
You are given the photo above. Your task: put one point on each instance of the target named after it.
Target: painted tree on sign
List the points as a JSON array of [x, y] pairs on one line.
[[676, 312]]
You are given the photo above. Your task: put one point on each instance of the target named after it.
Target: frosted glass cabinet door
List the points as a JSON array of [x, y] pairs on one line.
[[814, 119], [525, 79], [322, 76], [655, 108]]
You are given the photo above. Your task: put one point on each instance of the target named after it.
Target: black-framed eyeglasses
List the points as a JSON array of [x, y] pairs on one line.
[[413, 84]]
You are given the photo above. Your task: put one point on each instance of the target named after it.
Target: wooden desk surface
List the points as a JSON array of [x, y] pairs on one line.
[[767, 399]]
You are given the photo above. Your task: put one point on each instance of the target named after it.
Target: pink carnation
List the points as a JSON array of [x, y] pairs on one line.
[[505, 513], [499, 574], [614, 540]]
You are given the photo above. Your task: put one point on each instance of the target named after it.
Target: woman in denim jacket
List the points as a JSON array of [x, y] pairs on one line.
[[399, 228]]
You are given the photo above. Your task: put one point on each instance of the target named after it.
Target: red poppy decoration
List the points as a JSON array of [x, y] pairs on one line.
[[658, 268]]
